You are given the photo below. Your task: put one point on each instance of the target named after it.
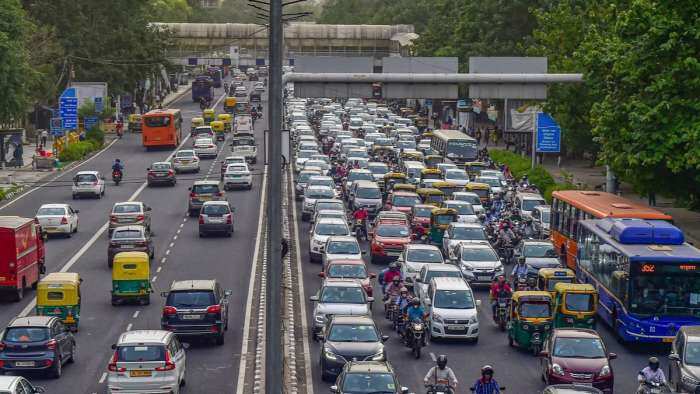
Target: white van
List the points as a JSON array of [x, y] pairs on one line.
[[452, 309], [526, 202]]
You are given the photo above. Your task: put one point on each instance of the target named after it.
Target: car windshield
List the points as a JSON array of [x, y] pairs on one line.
[[160, 166], [140, 353], [185, 153], [384, 142], [424, 256], [452, 174], [127, 234], [454, 299], [319, 193], [51, 211], [579, 302], [553, 282], [545, 216], [127, 208], [356, 271], [27, 334], [353, 333], [86, 178], [406, 201], [541, 250], [331, 229], [205, 189], [379, 170], [322, 182], [305, 176], [462, 209], [332, 206], [692, 353], [343, 247], [474, 200], [468, 233], [360, 176], [191, 299], [305, 154], [215, 209], [528, 205], [374, 383], [423, 212], [343, 295], [493, 182], [393, 231], [578, 348], [535, 309], [479, 254], [371, 193]]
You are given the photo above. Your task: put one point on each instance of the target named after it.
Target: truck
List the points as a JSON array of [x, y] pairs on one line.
[[22, 255]]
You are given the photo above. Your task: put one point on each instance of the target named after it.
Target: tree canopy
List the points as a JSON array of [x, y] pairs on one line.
[[15, 72]]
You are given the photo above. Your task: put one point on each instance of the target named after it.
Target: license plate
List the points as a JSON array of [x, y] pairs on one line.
[[455, 327], [127, 246], [483, 277], [393, 253], [216, 220], [139, 373], [204, 198], [24, 364], [191, 317], [50, 228]]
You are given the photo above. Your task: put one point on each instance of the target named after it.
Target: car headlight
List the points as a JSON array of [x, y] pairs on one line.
[[377, 356], [687, 379], [437, 318], [379, 244], [605, 371], [557, 369], [467, 267], [329, 354], [473, 320], [499, 268], [320, 318]]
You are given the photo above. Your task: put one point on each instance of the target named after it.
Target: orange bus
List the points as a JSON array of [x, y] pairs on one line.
[[569, 207], [162, 128]]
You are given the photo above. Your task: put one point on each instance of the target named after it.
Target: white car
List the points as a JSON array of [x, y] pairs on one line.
[[18, 385], [241, 91], [452, 309], [311, 194], [301, 157], [457, 176], [237, 175], [58, 218], [186, 160], [494, 182], [414, 257], [471, 198], [90, 183], [461, 232], [205, 147], [341, 247], [465, 211], [430, 271], [321, 231]]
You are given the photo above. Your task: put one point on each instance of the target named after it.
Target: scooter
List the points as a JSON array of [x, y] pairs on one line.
[[655, 388], [116, 177]]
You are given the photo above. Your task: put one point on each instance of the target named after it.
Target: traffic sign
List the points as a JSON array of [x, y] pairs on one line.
[[56, 127], [428, 102], [68, 109], [548, 134], [90, 122], [99, 105]]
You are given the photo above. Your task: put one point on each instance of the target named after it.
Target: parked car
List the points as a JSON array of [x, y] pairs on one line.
[[216, 217], [88, 183], [58, 219]]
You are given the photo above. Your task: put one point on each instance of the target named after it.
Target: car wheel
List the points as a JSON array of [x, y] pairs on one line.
[[220, 339], [75, 230], [75, 196], [19, 294], [56, 369], [71, 359], [228, 234], [201, 234]]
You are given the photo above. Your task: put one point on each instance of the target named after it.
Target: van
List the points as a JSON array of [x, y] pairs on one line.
[[526, 202], [412, 169], [366, 194], [452, 309]]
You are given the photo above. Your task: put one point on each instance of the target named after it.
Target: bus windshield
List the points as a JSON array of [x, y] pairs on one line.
[[464, 149], [665, 289]]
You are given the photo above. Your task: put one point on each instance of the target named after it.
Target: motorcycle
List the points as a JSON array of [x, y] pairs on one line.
[[415, 337], [399, 321], [116, 177], [392, 310], [654, 388], [360, 229], [439, 388], [501, 316]]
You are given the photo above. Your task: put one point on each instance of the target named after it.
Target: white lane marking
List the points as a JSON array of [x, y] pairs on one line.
[[128, 327], [103, 377], [302, 296], [163, 260], [136, 314], [175, 236], [158, 269], [167, 252], [178, 231], [154, 278], [182, 225], [249, 300], [57, 176], [171, 244], [432, 355], [184, 220]]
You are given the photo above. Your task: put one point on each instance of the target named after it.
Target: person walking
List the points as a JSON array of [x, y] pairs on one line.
[[44, 137]]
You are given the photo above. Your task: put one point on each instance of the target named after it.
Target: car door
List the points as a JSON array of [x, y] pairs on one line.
[[674, 366], [178, 354], [72, 217]]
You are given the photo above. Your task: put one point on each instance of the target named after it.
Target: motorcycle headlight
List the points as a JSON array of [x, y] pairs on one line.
[[417, 327], [320, 318], [605, 371], [557, 369], [329, 354], [526, 327]]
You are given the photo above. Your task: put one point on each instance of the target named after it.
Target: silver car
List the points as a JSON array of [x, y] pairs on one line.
[[186, 160], [216, 217], [461, 232], [478, 262], [321, 231], [414, 257], [311, 194], [341, 247], [339, 297]]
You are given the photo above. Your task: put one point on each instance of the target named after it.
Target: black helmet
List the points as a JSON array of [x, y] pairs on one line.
[[441, 361], [117, 160], [521, 260], [653, 363], [415, 301], [487, 370]]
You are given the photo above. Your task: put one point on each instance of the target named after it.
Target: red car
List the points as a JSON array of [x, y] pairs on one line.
[[402, 201], [577, 356], [388, 240], [350, 268], [420, 216]]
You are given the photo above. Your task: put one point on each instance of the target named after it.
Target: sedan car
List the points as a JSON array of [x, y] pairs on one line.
[[205, 147], [465, 211], [341, 247], [88, 183], [231, 160], [538, 254], [311, 194], [58, 219], [186, 160], [478, 262], [321, 231], [160, 173], [129, 239], [130, 212], [349, 269], [414, 257], [572, 355], [238, 175], [339, 297], [216, 217], [368, 377], [349, 338]]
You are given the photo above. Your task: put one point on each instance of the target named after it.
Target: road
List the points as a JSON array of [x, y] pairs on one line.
[[180, 254], [516, 369]]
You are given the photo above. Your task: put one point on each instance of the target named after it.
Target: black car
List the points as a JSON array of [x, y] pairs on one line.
[[368, 377], [36, 343], [196, 308], [349, 338], [130, 239]]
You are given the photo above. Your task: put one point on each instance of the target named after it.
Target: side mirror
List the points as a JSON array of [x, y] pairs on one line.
[[313, 298], [612, 356], [370, 299], [385, 338], [478, 303], [114, 346], [364, 252], [321, 274], [189, 188], [334, 389], [76, 210], [372, 275], [148, 169], [543, 353], [149, 209], [674, 357]]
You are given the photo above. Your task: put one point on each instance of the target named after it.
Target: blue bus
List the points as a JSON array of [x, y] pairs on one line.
[[216, 75], [202, 87], [647, 277]]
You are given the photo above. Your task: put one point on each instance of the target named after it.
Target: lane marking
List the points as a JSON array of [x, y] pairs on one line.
[[136, 314], [249, 300], [167, 252], [158, 269], [432, 355], [154, 278], [175, 236], [102, 378], [128, 327], [163, 260], [178, 231], [171, 244], [182, 225]]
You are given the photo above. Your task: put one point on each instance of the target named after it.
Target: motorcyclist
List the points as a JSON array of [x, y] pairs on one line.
[[486, 384], [403, 300], [520, 270], [500, 288], [360, 220], [393, 273], [515, 216], [392, 289], [651, 373], [415, 311], [118, 166], [202, 103], [441, 374], [506, 236], [529, 230]]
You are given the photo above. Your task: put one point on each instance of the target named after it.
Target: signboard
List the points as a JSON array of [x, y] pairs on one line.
[[90, 122], [99, 105], [548, 134], [428, 102], [68, 109], [56, 126]]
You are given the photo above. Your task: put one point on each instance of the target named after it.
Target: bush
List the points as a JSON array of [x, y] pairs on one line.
[[78, 150], [96, 135]]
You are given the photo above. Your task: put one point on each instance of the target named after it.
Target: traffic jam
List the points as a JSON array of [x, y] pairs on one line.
[[424, 247]]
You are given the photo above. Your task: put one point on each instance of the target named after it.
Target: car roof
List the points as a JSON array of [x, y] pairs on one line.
[[32, 321], [54, 206], [692, 332], [422, 247], [537, 242], [128, 203], [89, 172], [185, 150], [195, 284], [366, 183], [476, 245], [132, 227], [333, 200], [143, 336], [470, 225], [346, 238], [354, 319], [216, 202], [529, 196], [369, 366], [339, 282], [345, 261], [575, 333], [162, 163], [449, 283], [441, 267], [204, 182], [331, 221]]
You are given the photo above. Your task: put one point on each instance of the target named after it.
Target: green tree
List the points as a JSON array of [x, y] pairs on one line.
[[169, 10], [15, 72]]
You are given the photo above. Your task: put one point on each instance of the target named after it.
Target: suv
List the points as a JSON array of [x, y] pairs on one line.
[[368, 376], [452, 309], [365, 194], [88, 183], [321, 231], [147, 361], [526, 202], [339, 297], [430, 271], [130, 213], [216, 217], [200, 192], [196, 308], [540, 219], [36, 343]]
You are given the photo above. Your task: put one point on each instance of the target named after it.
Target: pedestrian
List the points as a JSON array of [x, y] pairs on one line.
[[652, 198], [285, 248], [44, 137], [486, 137]]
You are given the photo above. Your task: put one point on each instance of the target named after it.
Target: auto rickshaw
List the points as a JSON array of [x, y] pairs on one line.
[[405, 187], [131, 278], [383, 153], [447, 187], [430, 173], [440, 219], [134, 123], [196, 122], [547, 278], [219, 131], [431, 196], [428, 134], [473, 168], [411, 156], [209, 115], [230, 104], [58, 294], [483, 190], [228, 121], [431, 161], [575, 305], [530, 319], [393, 178]]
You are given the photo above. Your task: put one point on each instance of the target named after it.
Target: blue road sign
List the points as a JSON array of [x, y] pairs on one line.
[[68, 109], [99, 105], [90, 122], [548, 134], [428, 102], [56, 127]]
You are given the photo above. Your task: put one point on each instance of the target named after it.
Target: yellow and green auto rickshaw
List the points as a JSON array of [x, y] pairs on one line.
[[393, 178], [134, 123], [228, 121], [405, 187], [131, 278], [196, 122], [427, 134], [58, 294], [447, 187], [440, 219], [483, 190], [431, 161], [219, 131], [530, 319], [230, 104], [431, 196], [473, 168], [411, 156], [430, 173], [575, 305], [547, 278], [209, 115]]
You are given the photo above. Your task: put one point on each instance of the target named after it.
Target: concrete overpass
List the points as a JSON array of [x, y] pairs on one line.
[[300, 38]]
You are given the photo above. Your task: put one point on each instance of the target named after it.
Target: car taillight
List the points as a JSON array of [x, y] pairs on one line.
[[229, 218], [64, 220], [169, 311], [220, 194], [212, 146], [169, 364], [193, 194], [112, 366], [214, 309], [112, 218], [51, 344], [171, 173], [140, 244], [140, 218], [151, 173], [201, 219], [2, 346]]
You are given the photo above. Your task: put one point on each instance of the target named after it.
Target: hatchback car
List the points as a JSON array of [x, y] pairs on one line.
[[457, 176], [230, 160], [216, 217], [88, 183], [461, 232], [324, 204], [349, 338], [430, 271], [368, 377], [128, 213], [321, 231], [201, 192], [311, 194], [538, 254], [238, 175], [478, 262], [36, 343], [161, 173], [572, 355], [339, 297], [18, 385], [198, 308], [349, 269], [414, 257], [341, 247], [129, 239], [147, 361], [465, 211], [452, 309], [403, 201], [684, 360], [205, 147], [58, 219], [186, 160], [471, 198], [388, 240]]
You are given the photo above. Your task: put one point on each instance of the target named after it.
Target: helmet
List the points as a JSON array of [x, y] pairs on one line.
[[403, 290], [441, 361], [117, 160], [487, 370], [396, 279], [415, 301], [653, 363], [521, 260]]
